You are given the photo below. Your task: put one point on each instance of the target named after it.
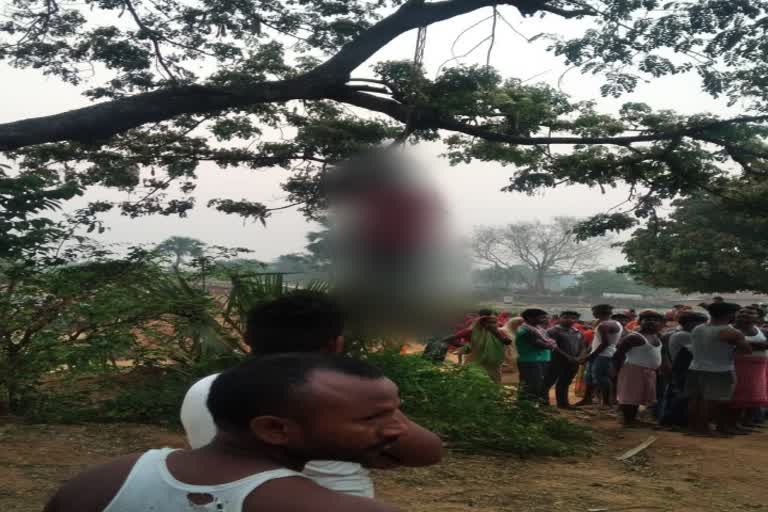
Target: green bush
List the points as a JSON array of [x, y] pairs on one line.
[[460, 403], [473, 413]]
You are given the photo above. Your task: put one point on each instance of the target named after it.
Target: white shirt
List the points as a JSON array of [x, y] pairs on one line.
[[613, 339], [757, 338], [150, 486], [646, 355], [346, 477]]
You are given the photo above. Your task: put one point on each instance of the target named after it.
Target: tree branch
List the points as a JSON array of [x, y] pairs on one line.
[[152, 37], [101, 121], [426, 118]]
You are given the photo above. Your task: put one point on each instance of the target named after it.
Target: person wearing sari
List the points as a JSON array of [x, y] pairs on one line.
[[487, 344]]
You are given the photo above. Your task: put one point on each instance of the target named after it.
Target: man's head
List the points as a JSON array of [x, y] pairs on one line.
[[689, 320], [746, 316], [535, 316], [568, 318], [651, 321], [299, 321], [718, 300], [602, 311], [309, 406], [723, 312], [622, 318]]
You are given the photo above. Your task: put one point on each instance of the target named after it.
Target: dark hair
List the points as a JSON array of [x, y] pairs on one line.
[[299, 321], [485, 312], [570, 313], [722, 309], [616, 316], [532, 313], [271, 385], [602, 308], [651, 314], [690, 317]]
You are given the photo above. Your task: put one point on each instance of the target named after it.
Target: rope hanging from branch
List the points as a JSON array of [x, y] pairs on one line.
[[418, 60], [421, 43]]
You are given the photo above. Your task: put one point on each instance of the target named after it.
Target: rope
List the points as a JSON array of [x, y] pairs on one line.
[[418, 60], [421, 43]]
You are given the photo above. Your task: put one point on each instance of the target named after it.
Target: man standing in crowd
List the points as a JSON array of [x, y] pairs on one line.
[[711, 377], [273, 415], [674, 411], [637, 374], [607, 335], [534, 352], [305, 321], [562, 370]]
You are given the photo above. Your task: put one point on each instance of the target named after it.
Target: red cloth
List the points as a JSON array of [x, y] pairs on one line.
[[751, 386], [587, 334]]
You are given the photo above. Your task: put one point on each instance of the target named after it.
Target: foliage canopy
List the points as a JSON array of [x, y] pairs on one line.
[[180, 83], [704, 246]]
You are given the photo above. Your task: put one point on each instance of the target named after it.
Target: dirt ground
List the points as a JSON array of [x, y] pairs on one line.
[[677, 473]]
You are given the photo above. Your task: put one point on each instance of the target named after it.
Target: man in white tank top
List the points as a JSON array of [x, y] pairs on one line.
[[305, 321], [598, 374], [273, 414], [638, 358]]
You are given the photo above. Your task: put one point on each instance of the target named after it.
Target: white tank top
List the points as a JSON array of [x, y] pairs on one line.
[[150, 487], [757, 338], [613, 340], [347, 477], [646, 355]]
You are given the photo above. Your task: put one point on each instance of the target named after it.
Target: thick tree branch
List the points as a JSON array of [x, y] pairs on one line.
[[412, 15], [426, 118], [101, 121]]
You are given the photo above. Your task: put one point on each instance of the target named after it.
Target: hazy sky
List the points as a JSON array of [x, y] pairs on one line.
[[471, 191]]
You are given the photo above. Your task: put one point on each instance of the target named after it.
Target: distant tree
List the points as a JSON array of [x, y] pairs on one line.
[[240, 266], [596, 282], [499, 277], [319, 246], [545, 249], [704, 246], [181, 247], [293, 262]]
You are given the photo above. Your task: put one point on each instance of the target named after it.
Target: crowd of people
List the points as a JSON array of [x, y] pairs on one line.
[[690, 369], [297, 425]]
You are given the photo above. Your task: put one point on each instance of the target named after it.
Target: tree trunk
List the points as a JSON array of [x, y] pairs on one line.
[[539, 286]]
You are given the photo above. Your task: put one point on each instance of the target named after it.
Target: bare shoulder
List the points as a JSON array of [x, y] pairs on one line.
[[731, 334], [303, 495], [94, 488]]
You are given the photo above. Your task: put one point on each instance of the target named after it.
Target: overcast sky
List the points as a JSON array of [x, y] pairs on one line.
[[472, 191]]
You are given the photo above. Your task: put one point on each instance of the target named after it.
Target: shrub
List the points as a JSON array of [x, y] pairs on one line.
[[460, 403], [471, 412]]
